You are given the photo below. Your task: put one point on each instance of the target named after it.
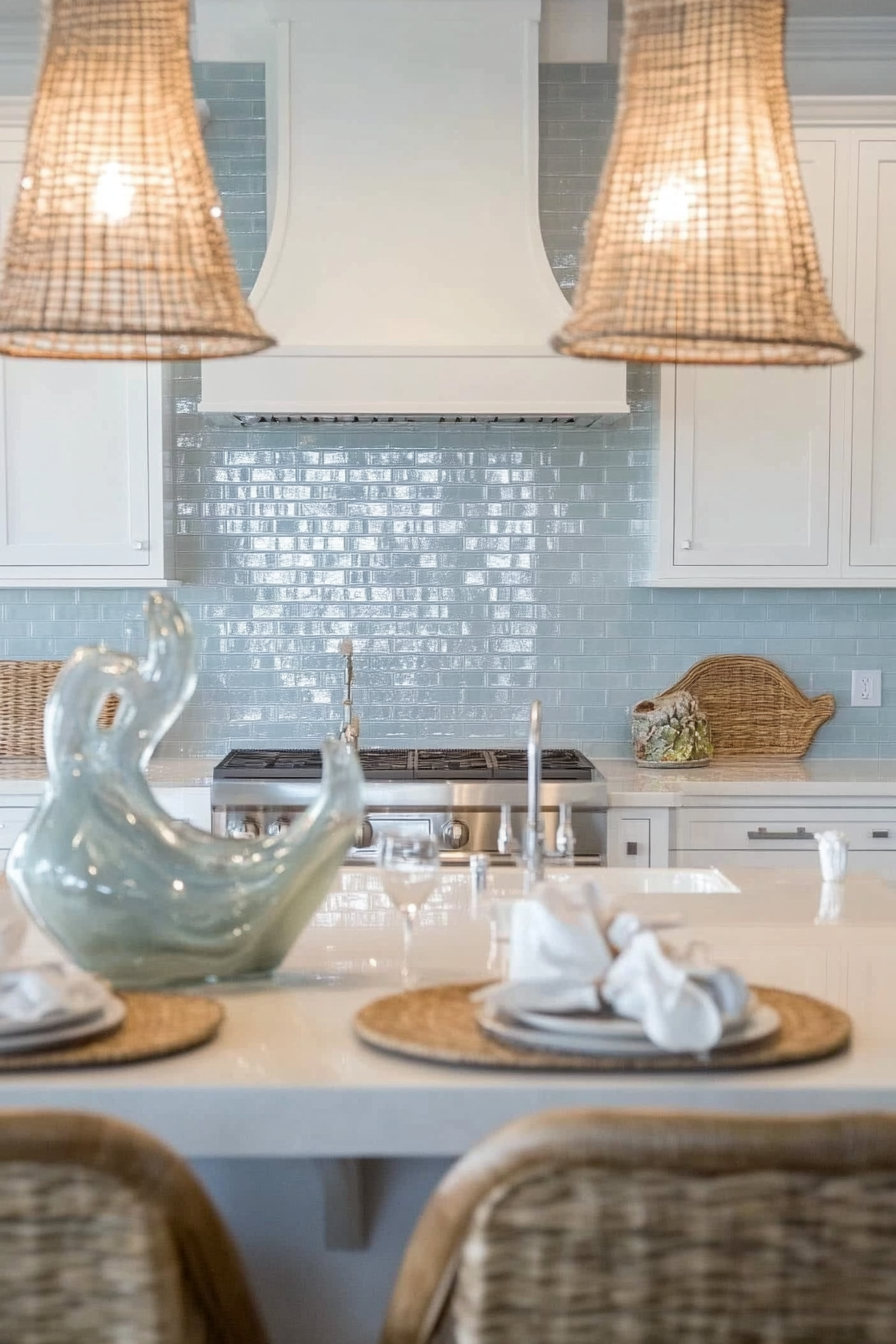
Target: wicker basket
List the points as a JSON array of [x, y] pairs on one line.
[[24, 688], [754, 709]]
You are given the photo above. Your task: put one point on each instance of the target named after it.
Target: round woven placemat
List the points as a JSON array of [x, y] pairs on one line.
[[439, 1025], [155, 1025]]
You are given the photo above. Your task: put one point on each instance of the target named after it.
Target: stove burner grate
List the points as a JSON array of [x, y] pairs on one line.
[[452, 763], [401, 765]]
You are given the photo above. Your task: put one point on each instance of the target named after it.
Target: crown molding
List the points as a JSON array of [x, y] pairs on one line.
[[858, 39], [843, 111], [14, 111], [820, 39]]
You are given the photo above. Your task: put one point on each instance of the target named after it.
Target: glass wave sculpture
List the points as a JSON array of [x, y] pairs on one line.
[[128, 892]]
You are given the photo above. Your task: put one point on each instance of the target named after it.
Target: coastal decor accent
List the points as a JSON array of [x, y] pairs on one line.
[[130, 893], [440, 1025], [700, 247], [154, 1026], [753, 708], [671, 730], [116, 248], [24, 690]]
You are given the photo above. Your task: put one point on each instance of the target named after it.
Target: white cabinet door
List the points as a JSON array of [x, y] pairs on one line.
[[74, 470], [752, 447], [872, 537], [80, 457]]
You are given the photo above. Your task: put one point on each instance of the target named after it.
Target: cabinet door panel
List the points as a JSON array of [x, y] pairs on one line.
[[753, 446], [74, 477], [872, 539], [74, 450]]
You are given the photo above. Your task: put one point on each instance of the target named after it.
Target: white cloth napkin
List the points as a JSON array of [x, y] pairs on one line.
[[833, 853], [48, 993], [556, 935], [576, 955]]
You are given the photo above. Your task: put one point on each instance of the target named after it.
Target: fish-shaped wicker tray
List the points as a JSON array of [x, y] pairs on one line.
[[753, 708]]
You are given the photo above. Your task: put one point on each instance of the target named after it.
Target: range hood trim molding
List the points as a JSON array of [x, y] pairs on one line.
[[470, 335]]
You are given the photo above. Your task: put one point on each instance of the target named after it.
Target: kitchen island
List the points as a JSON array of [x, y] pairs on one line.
[[276, 1109]]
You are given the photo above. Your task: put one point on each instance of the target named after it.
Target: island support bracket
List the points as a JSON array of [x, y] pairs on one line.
[[342, 1181]]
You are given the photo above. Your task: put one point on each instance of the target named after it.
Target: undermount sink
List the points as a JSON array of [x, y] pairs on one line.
[[629, 881]]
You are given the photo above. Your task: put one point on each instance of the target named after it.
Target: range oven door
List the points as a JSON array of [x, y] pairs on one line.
[[461, 832]]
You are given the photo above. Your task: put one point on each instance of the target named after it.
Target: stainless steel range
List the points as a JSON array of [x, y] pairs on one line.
[[454, 793]]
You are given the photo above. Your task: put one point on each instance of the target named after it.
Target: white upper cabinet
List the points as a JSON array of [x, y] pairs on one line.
[[872, 533], [80, 455], [756, 464]]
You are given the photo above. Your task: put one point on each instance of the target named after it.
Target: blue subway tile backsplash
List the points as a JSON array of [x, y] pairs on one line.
[[472, 567]]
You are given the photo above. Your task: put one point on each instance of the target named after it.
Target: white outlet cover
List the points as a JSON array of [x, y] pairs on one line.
[[866, 689]]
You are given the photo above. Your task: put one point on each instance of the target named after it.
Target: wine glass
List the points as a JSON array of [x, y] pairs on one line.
[[409, 872]]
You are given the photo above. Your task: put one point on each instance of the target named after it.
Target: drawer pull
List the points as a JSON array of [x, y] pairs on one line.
[[880, 835], [762, 834]]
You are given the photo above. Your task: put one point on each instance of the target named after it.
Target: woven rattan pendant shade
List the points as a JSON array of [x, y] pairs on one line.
[[700, 247], [117, 248]]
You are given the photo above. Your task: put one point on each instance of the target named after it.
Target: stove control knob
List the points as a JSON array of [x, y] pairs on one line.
[[455, 834], [246, 828], [364, 835], [278, 827]]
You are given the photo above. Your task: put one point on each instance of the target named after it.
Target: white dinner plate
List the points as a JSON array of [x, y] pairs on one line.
[[509, 1003], [602, 1027], [763, 1021], [111, 1015]]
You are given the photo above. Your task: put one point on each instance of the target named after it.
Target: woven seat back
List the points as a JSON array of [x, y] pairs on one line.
[[84, 1260], [107, 1237], [24, 688], [583, 1254]]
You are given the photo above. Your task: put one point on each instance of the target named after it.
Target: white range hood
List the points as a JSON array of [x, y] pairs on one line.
[[405, 273]]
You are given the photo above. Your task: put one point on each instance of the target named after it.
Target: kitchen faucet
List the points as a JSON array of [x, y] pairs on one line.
[[350, 731], [531, 855]]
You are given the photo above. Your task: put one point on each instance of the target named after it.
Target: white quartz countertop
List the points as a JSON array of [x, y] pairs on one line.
[[286, 1077], [629, 785], [26, 778]]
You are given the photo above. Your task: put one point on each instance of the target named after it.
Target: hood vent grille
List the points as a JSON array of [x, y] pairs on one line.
[[253, 421]]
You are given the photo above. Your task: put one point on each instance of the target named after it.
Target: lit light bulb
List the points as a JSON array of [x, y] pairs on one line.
[[669, 210], [113, 195]]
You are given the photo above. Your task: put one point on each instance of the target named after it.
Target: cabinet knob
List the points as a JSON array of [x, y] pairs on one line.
[[140, 546], [631, 848], [364, 836], [686, 545], [455, 834]]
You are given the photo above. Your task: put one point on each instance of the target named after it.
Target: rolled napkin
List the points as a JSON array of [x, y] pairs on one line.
[[833, 852], [830, 905], [38, 994], [570, 953]]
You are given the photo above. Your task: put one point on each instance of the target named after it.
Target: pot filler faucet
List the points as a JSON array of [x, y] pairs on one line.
[[531, 855], [350, 731]]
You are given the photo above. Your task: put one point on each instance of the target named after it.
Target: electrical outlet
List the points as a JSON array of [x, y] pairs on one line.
[[866, 689]]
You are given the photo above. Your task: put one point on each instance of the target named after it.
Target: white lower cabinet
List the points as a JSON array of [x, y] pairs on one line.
[[192, 804], [762, 836], [13, 820], [637, 839], [188, 804]]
